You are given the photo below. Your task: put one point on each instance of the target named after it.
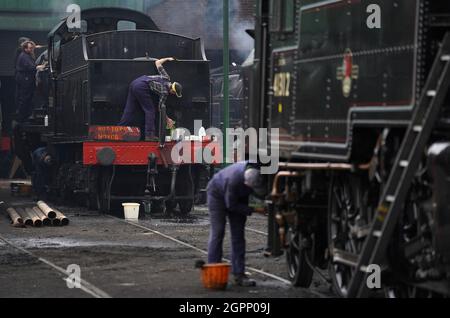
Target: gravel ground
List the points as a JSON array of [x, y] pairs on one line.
[[118, 259]]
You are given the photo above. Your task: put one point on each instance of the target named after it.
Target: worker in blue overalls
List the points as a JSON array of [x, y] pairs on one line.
[[141, 97], [42, 161], [228, 197]]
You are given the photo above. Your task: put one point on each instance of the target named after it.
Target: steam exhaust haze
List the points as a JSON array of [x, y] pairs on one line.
[[239, 23], [59, 6]]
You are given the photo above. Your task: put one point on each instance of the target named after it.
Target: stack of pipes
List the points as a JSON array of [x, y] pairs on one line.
[[38, 216]]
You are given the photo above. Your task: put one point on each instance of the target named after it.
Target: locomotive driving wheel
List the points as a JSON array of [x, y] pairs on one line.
[[349, 217], [408, 267], [300, 273], [403, 290]]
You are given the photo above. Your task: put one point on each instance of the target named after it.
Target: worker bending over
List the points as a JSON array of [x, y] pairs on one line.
[[144, 93], [228, 197]]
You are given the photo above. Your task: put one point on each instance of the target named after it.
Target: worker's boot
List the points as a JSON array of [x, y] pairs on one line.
[[244, 281]]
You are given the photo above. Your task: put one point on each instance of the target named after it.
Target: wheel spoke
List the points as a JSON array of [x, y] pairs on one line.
[[300, 273], [346, 212], [295, 242]]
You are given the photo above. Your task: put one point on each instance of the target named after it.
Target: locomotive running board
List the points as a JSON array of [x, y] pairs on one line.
[[407, 162]]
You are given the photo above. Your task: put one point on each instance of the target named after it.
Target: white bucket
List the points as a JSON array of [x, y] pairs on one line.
[[131, 211]]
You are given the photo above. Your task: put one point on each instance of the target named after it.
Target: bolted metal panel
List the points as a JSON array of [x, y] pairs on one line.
[[137, 153]]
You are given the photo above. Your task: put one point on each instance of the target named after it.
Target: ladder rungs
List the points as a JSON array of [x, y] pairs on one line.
[[345, 258], [390, 198], [431, 93], [361, 231], [417, 128], [426, 115], [404, 163]]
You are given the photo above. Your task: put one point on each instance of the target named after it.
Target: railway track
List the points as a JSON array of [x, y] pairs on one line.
[[85, 286], [249, 229], [56, 264], [204, 252], [202, 217]]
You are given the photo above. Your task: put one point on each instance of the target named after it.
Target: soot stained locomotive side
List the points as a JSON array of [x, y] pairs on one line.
[[363, 178], [91, 72]]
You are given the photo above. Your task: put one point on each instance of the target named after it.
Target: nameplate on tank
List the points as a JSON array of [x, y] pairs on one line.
[[114, 133]]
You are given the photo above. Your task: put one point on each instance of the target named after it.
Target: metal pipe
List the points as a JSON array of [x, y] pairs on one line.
[[26, 218], [45, 220], [311, 166], [37, 222], [56, 222], [279, 175], [226, 76], [173, 183], [110, 184], [323, 166], [16, 219], [49, 212], [64, 221]]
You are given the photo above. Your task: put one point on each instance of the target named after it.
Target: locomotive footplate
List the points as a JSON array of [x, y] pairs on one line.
[[137, 153], [171, 172]]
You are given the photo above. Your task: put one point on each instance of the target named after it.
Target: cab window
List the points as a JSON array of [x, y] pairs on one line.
[[282, 16], [275, 15], [288, 15], [126, 25]]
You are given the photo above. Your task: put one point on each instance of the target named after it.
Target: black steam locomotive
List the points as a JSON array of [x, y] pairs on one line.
[[359, 92], [90, 71]]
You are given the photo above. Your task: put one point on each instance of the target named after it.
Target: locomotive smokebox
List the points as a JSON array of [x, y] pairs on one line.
[[439, 167]]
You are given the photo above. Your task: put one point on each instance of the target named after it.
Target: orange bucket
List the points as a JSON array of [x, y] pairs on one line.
[[215, 276]]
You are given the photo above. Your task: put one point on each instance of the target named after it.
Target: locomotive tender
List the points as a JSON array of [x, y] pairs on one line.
[[91, 70], [363, 113]]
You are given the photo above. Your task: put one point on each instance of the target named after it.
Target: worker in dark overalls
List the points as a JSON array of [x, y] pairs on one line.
[[228, 197], [26, 80], [42, 161], [19, 50], [141, 97]]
